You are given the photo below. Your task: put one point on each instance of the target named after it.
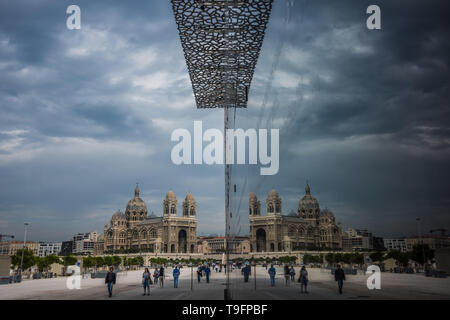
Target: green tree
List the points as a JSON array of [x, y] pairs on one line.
[[330, 258], [29, 259], [69, 260], [377, 256], [116, 261], [108, 260], [421, 251]]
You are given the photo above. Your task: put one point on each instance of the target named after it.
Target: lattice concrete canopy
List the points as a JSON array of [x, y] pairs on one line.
[[221, 41]]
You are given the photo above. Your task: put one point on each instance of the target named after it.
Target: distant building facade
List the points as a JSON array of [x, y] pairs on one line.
[[10, 248], [83, 243], [66, 248], [434, 242], [49, 248], [357, 240], [215, 245], [168, 233], [310, 228], [395, 244]]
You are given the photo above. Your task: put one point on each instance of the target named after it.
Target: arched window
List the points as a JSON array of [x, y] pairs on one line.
[[192, 212]]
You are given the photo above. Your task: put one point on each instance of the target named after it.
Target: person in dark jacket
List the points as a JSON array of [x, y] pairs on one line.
[[110, 280], [161, 277], [339, 276], [246, 271]]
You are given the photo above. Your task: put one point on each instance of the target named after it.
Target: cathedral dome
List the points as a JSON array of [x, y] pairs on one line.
[[136, 206], [308, 205], [170, 195], [119, 215], [273, 194], [189, 197]]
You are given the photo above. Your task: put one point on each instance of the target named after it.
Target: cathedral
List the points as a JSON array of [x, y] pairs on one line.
[[168, 233], [309, 228]]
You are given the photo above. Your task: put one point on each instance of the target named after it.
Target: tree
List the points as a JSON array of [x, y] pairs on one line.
[[402, 258], [377, 256], [69, 261], [421, 250], [108, 260], [116, 261], [29, 259], [330, 258]]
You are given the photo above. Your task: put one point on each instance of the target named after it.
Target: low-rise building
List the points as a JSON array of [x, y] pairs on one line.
[[357, 240], [210, 245], [66, 248], [395, 244], [10, 248], [434, 242], [49, 248]]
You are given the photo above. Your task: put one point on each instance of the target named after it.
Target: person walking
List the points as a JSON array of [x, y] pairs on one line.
[[110, 280], [176, 274], [272, 272], [207, 272], [146, 278], [339, 276], [155, 275], [292, 273], [287, 275], [161, 277], [199, 273], [303, 279], [246, 271]]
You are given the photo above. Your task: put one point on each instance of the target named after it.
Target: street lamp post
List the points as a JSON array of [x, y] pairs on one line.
[[23, 249], [421, 243], [192, 273]]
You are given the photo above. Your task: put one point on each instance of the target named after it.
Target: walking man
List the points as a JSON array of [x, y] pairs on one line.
[[110, 280], [272, 272], [176, 274], [339, 276], [303, 279], [287, 274], [155, 275], [207, 272], [161, 277], [246, 271]]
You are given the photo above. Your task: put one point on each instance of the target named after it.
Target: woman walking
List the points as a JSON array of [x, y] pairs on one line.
[[146, 281], [303, 279], [155, 275], [161, 277]]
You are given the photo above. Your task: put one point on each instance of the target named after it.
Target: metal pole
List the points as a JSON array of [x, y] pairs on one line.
[[192, 272], [254, 275], [23, 249], [421, 243]]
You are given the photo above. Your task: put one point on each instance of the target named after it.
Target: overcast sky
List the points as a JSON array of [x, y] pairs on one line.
[[85, 114]]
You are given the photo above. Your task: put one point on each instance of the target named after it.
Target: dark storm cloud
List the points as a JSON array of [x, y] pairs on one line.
[[86, 114], [363, 114]]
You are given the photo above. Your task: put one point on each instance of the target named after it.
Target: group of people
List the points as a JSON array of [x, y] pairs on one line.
[[204, 270], [159, 274], [158, 277], [289, 273]]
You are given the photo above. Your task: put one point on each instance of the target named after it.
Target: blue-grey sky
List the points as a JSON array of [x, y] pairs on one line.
[[85, 114]]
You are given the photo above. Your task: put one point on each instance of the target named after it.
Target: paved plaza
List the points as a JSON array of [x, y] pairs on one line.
[[321, 286]]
